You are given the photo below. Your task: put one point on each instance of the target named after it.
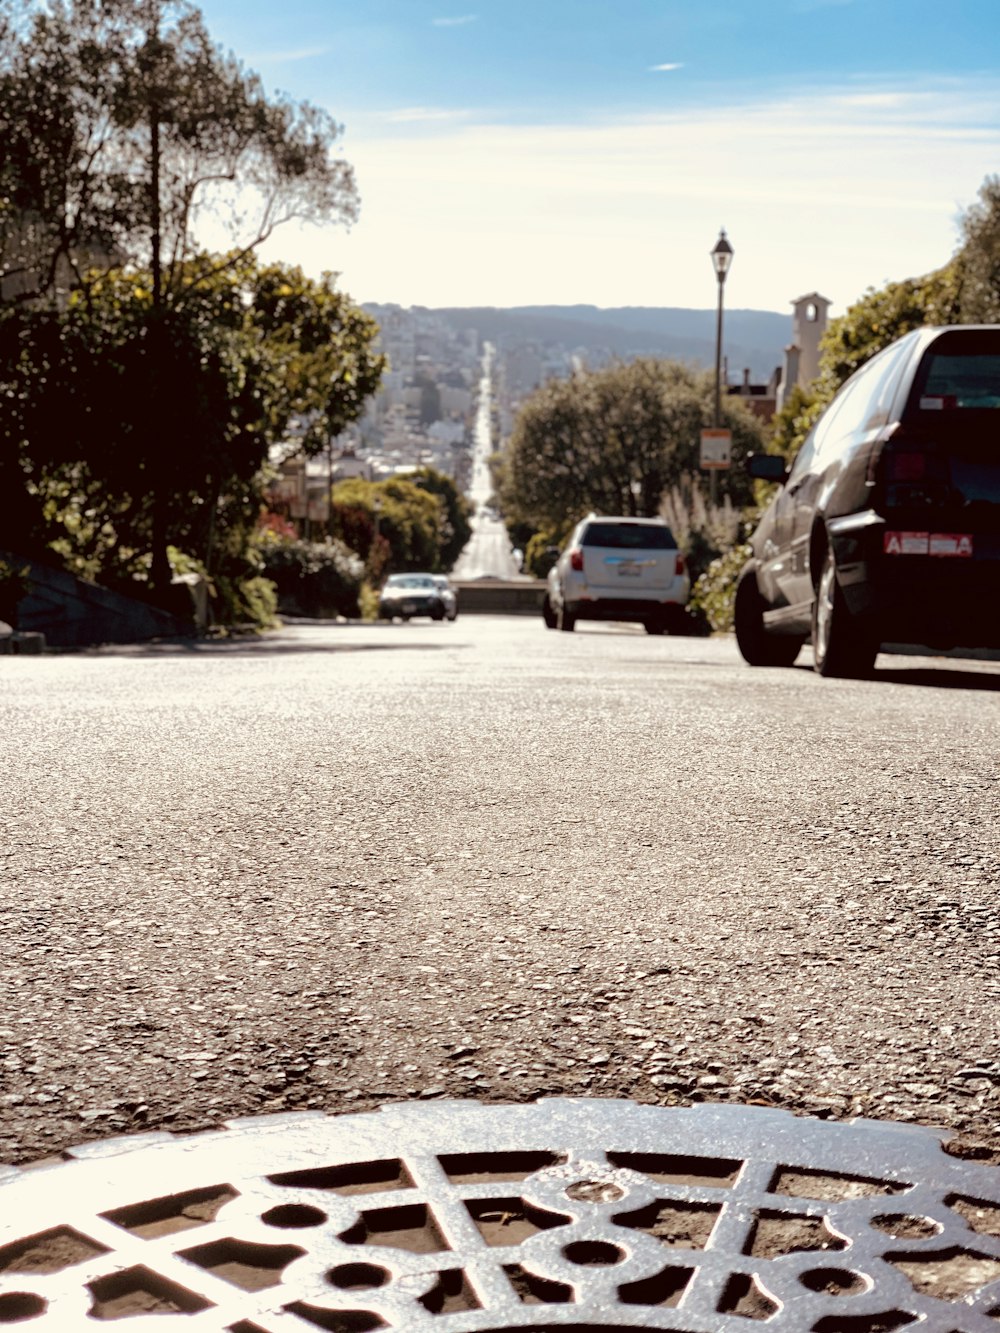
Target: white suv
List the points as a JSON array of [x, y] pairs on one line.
[[618, 568]]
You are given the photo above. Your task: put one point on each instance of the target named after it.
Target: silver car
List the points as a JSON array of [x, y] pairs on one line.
[[408, 595], [618, 568]]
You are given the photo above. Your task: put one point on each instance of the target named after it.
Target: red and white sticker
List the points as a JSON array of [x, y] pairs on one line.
[[906, 543], [954, 544], [951, 544]]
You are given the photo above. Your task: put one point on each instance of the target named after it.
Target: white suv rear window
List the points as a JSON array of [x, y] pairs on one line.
[[620, 536]]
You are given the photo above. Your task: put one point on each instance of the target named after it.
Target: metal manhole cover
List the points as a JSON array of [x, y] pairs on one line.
[[454, 1216]]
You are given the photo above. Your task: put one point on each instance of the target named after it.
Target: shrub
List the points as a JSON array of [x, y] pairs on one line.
[[241, 602], [316, 579], [714, 593], [368, 602]]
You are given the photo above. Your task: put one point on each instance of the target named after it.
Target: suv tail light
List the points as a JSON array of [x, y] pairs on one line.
[[911, 471], [576, 560], [679, 565]]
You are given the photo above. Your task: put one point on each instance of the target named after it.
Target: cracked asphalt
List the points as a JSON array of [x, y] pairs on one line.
[[345, 865]]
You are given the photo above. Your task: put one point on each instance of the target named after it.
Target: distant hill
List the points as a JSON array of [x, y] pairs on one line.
[[755, 339]]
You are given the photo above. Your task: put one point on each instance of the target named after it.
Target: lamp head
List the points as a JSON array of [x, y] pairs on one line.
[[722, 256]]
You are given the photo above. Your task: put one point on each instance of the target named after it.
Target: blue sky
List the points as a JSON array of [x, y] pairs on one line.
[[555, 152]]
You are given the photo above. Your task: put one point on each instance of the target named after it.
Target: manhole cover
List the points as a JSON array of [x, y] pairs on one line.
[[564, 1214]]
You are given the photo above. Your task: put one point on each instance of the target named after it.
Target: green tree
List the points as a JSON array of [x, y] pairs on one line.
[[123, 126], [978, 260], [614, 440], [456, 512], [319, 345], [410, 520], [874, 321], [229, 367]]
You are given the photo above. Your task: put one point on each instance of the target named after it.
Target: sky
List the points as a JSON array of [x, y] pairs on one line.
[[527, 152]]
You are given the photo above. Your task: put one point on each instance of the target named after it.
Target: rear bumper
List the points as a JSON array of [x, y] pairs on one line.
[[946, 601], [625, 608]]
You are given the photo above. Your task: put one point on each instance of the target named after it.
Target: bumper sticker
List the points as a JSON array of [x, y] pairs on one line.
[[953, 544], [906, 543]]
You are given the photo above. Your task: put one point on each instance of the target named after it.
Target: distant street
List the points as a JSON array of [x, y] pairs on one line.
[[488, 553], [349, 864]]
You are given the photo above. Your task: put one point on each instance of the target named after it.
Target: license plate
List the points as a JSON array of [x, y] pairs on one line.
[[629, 569], [409, 608]]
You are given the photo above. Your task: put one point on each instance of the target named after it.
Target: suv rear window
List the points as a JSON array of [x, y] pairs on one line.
[[959, 371], [618, 536]]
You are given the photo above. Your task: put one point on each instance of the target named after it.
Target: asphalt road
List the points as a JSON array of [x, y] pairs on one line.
[[350, 864]]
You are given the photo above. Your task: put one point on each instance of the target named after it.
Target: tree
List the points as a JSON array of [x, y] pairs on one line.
[[456, 512], [881, 316], [122, 127], [978, 260], [614, 440], [320, 346], [84, 470], [411, 520]]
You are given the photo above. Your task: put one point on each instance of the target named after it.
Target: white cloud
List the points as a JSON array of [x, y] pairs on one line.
[[415, 114], [826, 191], [286, 57], [653, 69], [458, 22]]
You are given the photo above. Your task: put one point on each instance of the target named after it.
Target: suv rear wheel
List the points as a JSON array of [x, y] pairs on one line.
[[757, 646], [565, 620], [842, 644]]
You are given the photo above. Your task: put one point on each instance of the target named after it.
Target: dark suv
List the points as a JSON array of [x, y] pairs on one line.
[[887, 526]]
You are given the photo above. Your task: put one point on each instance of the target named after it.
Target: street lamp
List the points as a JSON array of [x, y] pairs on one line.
[[722, 257]]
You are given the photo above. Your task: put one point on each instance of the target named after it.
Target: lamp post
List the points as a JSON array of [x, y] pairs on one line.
[[722, 257]]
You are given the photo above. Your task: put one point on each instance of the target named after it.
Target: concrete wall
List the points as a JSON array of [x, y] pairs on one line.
[[499, 597], [73, 613]]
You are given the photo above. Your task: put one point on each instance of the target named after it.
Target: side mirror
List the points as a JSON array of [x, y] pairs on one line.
[[767, 467]]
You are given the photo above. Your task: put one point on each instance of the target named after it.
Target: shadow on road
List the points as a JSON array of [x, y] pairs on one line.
[[940, 678], [270, 646]]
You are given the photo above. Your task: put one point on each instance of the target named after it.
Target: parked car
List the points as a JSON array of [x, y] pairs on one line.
[[409, 595], [887, 525], [449, 595], [618, 568]]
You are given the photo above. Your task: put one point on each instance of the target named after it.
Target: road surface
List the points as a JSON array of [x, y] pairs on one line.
[[349, 864]]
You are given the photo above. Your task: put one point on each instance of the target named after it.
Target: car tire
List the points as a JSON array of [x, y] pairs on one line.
[[757, 646], [453, 616], [437, 612], [655, 625], [548, 615], [843, 645], [565, 620]]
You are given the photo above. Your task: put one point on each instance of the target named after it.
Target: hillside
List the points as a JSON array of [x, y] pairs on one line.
[[752, 338]]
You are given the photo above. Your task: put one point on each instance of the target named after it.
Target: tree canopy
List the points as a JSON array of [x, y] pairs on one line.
[[123, 128], [965, 291], [89, 467], [614, 440], [144, 376]]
